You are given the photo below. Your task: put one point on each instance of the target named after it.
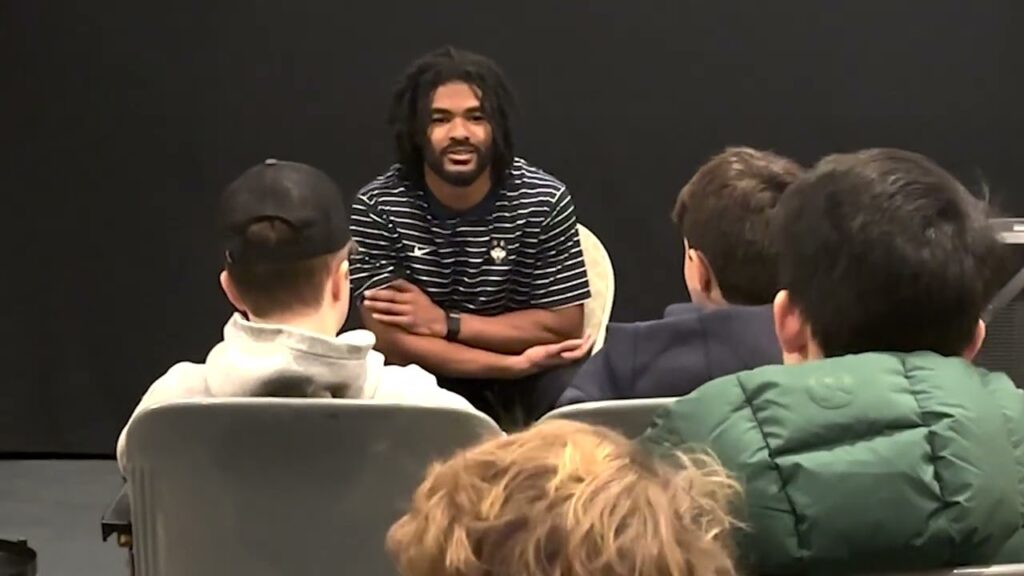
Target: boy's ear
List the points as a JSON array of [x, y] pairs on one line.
[[339, 281], [979, 338], [705, 275], [229, 290], [792, 331]]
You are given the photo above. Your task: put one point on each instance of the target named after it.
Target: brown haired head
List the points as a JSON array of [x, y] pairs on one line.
[[725, 212], [883, 249], [567, 499]]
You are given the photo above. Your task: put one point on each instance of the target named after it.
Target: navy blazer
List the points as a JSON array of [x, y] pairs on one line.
[[675, 355]]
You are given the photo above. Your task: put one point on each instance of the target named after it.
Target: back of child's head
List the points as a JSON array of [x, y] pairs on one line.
[[883, 250], [273, 288], [285, 230], [567, 499], [725, 211]]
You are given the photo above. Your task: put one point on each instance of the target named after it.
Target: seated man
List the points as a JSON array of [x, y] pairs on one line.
[[568, 499], [878, 447], [287, 245], [470, 262], [724, 216]]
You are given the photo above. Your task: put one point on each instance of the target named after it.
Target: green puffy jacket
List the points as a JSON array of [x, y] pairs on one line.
[[864, 462]]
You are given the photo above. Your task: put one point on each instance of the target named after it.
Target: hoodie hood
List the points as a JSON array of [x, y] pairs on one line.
[[276, 360]]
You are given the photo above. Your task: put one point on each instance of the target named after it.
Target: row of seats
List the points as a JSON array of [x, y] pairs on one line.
[[213, 484]]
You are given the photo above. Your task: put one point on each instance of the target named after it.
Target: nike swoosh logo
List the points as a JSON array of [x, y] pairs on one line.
[[421, 250]]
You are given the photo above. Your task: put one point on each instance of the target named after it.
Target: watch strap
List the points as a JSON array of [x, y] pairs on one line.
[[454, 321]]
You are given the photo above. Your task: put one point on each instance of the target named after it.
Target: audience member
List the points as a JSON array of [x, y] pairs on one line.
[[567, 499], [471, 264], [724, 216], [287, 245], [879, 446]]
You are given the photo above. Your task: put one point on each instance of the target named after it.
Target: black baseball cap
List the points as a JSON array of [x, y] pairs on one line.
[[298, 194]]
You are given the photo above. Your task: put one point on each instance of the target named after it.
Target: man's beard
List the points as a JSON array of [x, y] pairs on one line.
[[461, 178]]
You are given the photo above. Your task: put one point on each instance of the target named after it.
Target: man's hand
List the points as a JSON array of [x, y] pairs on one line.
[[404, 305], [547, 356]]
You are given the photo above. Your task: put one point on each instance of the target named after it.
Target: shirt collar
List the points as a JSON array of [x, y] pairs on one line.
[[479, 211]]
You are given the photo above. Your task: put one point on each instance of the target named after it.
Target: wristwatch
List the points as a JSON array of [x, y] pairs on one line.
[[454, 321]]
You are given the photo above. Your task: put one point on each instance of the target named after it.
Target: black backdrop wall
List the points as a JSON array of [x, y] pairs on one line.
[[123, 120]]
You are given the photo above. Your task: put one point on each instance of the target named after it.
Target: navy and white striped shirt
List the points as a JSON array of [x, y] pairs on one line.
[[517, 249]]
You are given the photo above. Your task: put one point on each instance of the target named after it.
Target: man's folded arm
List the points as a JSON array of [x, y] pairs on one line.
[[514, 332], [439, 356]]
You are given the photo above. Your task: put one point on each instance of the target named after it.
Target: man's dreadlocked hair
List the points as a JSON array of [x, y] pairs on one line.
[[410, 106]]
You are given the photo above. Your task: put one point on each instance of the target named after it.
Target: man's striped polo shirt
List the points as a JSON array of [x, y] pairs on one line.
[[517, 249]]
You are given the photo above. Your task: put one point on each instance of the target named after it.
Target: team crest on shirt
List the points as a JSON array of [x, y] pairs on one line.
[[498, 251]]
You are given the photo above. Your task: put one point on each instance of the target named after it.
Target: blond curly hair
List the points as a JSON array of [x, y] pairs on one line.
[[567, 499]]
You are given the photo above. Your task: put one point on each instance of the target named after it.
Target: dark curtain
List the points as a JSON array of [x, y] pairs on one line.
[[123, 120]]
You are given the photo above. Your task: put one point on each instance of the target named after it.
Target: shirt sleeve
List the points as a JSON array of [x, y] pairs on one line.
[[560, 278], [375, 261]]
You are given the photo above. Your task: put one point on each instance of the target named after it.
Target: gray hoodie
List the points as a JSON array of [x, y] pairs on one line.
[[275, 360]]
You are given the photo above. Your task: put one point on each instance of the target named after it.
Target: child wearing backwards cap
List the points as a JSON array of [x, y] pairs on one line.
[[287, 243]]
